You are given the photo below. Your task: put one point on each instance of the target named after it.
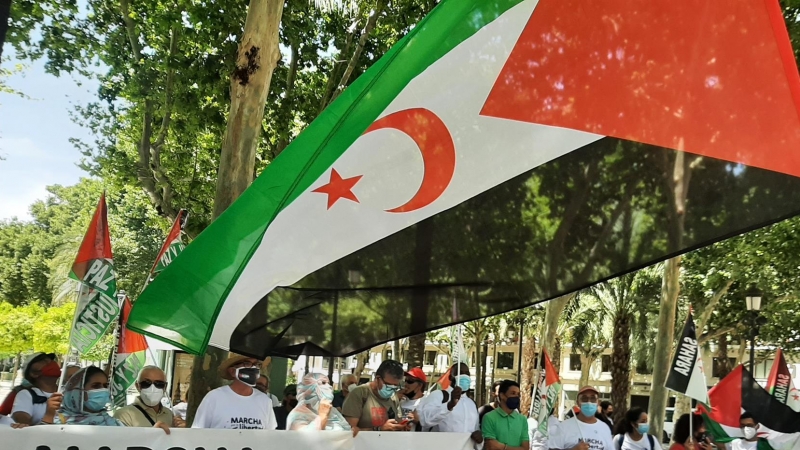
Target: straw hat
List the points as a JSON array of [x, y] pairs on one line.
[[232, 361]]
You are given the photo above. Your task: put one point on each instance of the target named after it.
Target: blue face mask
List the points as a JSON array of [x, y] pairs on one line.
[[97, 400], [326, 392], [644, 428], [388, 391], [464, 382], [589, 409]]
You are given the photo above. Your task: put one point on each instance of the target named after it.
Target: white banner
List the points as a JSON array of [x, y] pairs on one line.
[[76, 437]]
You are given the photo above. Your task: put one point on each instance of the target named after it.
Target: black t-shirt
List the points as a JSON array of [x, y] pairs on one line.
[[483, 410], [338, 400], [281, 414]]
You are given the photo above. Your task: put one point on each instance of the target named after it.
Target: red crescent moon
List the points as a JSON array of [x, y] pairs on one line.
[[438, 152]]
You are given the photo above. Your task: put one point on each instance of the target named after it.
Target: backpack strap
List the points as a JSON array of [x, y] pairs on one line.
[[652, 444], [147, 416], [619, 441], [36, 398]]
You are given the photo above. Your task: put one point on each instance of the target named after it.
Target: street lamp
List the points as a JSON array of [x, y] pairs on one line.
[[753, 301]]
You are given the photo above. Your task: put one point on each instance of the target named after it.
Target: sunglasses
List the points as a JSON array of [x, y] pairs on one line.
[[158, 384]]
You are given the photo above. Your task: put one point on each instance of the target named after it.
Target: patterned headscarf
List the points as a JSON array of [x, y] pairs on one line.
[[310, 392], [72, 405]]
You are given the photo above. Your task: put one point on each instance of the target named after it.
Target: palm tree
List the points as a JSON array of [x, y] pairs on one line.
[[627, 304], [591, 333]]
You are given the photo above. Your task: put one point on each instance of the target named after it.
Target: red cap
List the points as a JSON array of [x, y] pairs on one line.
[[417, 373], [588, 389]]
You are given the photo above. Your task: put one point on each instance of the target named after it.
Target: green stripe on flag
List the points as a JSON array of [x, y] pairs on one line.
[[182, 304]]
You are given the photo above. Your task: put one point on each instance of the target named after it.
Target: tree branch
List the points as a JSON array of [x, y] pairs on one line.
[[130, 29], [362, 41], [708, 309], [168, 91], [286, 103]]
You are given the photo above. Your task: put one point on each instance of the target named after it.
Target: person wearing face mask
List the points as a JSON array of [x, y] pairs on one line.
[[147, 409], [505, 428], [374, 406], [632, 432], [86, 397], [238, 406], [749, 428], [584, 431], [449, 410], [347, 382], [691, 434], [314, 410], [38, 400], [412, 394], [289, 402]]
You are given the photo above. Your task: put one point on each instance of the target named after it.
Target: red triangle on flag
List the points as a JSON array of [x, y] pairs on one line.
[[96, 243], [129, 341], [551, 376], [726, 399], [712, 78], [174, 233]]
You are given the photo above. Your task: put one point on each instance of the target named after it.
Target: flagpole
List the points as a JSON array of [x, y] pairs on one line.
[[81, 288]]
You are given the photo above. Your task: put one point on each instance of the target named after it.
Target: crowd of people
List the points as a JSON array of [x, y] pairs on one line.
[[396, 400]]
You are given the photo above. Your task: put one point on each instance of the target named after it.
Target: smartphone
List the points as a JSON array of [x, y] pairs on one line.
[[404, 421]]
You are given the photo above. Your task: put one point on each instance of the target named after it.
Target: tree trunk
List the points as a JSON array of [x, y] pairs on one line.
[[722, 356], [257, 57], [481, 382], [666, 335], [556, 356], [415, 355], [553, 311], [478, 369], [17, 363], [529, 374], [586, 368], [621, 365], [361, 362], [683, 405], [678, 189]]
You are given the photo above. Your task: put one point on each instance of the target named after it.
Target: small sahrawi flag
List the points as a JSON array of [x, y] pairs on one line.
[[172, 247], [94, 268], [546, 393], [129, 359], [780, 383], [686, 374], [779, 425]]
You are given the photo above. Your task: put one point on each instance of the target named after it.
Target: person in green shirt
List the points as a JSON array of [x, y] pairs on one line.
[[505, 428]]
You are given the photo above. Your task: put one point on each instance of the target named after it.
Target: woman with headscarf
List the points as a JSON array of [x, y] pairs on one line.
[[314, 410], [86, 397]]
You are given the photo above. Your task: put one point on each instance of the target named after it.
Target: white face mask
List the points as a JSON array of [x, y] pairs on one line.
[[151, 396], [749, 432], [351, 386]]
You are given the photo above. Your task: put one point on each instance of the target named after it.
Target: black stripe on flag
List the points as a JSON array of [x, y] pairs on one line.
[[685, 358]]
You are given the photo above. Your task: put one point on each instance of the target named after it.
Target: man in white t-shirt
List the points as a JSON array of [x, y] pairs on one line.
[[749, 428], [238, 406], [584, 431]]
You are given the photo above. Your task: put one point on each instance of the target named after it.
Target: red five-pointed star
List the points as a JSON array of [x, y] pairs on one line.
[[339, 187]]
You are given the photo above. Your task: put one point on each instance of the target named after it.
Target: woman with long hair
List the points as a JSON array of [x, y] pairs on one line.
[[685, 437], [86, 397], [631, 432]]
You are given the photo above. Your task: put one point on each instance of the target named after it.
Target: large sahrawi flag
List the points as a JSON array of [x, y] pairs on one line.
[[97, 305], [686, 375], [780, 383], [502, 153], [779, 425], [128, 360]]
